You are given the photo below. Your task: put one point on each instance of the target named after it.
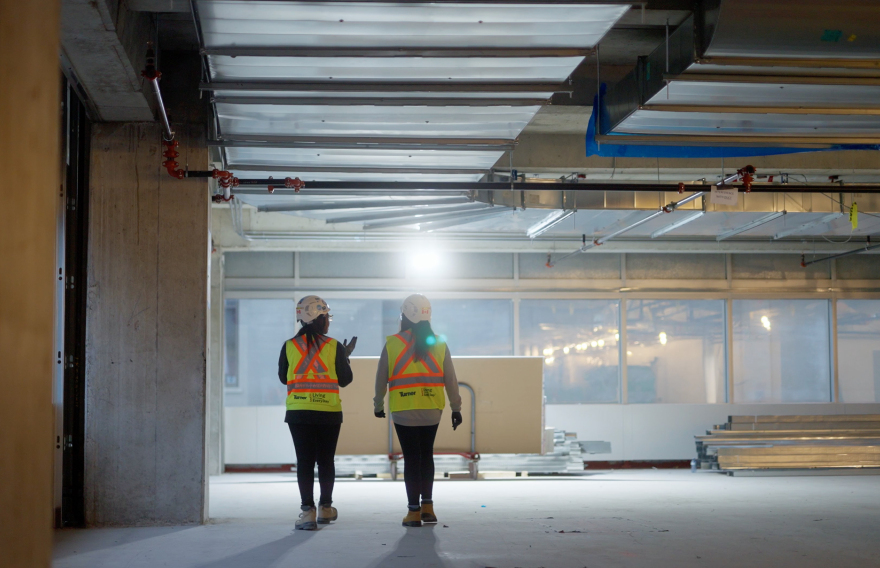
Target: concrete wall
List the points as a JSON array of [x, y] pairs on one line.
[[214, 406], [147, 329], [29, 161], [666, 431]]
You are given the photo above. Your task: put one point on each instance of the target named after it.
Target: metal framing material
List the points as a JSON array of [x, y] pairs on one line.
[[367, 51], [380, 143], [409, 212], [384, 101], [388, 87], [548, 223], [435, 225], [762, 110], [781, 79], [537, 186], [429, 218], [362, 204], [676, 224], [779, 62], [824, 219], [358, 170], [750, 141], [749, 226]]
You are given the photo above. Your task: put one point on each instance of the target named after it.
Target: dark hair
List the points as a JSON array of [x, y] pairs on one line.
[[421, 333], [313, 330]]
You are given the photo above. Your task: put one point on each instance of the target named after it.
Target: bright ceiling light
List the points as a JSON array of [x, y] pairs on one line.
[[601, 343], [662, 338], [594, 343], [765, 321], [548, 351], [616, 336], [550, 360], [424, 261], [566, 349]]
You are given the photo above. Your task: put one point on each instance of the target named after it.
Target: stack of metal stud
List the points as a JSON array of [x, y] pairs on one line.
[[792, 443]]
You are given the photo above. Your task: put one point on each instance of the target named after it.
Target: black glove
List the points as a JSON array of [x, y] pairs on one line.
[[380, 414], [349, 347], [456, 420]]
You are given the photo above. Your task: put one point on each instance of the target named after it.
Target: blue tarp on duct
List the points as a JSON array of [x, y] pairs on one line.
[[624, 150]]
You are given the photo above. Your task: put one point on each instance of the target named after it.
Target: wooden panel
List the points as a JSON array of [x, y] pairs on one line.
[[29, 120]]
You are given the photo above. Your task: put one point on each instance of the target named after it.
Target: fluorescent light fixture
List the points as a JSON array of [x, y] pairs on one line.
[[548, 222], [663, 339], [550, 360], [594, 344], [749, 226], [548, 351], [803, 227], [676, 224], [765, 321], [566, 350], [601, 343]]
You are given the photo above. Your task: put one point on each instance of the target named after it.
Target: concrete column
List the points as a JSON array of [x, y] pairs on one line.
[[147, 329], [214, 425], [29, 121]]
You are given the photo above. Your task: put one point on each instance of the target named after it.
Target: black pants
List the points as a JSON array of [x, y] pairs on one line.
[[417, 443], [315, 443]]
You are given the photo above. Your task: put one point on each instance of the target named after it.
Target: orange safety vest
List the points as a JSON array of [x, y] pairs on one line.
[[312, 382], [414, 384]]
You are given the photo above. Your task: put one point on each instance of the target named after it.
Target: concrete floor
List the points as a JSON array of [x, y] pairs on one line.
[[607, 519]]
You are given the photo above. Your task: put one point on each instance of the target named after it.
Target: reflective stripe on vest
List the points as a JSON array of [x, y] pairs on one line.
[[312, 383], [414, 384]]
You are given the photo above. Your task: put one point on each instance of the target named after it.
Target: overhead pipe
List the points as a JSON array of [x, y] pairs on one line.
[[225, 179], [868, 246], [669, 208]]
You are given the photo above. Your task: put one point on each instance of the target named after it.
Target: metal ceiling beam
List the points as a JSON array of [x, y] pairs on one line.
[[334, 193], [356, 170], [781, 62], [542, 186], [749, 226], [405, 211], [722, 139], [365, 204], [385, 52], [548, 223], [803, 227], [386, 101], [341, 143], [762, 109], [676, 224], [340, 86], [773, 79], [436, 225], [430, 218]]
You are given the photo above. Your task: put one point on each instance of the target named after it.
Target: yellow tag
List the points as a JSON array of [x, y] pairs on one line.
[[854, 215]]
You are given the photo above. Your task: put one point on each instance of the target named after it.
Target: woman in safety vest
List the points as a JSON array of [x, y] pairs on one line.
[[314, 366], [415, 367]]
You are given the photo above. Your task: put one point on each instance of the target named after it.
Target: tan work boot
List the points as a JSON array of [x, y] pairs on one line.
[[306, 521], [428, 513], [413, 519], [326, 513]]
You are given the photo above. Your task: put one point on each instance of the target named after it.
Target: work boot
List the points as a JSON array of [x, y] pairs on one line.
[[413, 518], [326, 513], [428, 513], [306, 521]]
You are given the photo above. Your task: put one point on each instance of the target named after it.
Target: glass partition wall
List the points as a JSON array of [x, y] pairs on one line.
[[703, 346]]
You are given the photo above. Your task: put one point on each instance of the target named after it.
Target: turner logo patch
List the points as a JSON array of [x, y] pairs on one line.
[[297, 397], [410, 393]]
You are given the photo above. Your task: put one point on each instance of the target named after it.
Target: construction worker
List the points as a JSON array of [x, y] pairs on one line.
[[314, 367], [415, 367]]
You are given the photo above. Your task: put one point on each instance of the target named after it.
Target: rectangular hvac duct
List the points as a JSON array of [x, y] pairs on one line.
[[803, 82]]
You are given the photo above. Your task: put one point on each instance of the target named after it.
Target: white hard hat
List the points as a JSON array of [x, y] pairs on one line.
[[310, 307], [416, 308]]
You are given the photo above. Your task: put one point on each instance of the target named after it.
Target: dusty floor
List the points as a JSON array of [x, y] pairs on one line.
[[633, 519]]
